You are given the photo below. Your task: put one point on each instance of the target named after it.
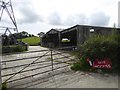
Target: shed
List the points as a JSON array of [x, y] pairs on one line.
[[51, 38]]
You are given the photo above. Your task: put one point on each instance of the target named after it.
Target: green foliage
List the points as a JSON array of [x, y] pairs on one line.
[[4, 86], [82, 64], [32, 41], [100, 47], [14, 48], [76, 66], [22, 34]]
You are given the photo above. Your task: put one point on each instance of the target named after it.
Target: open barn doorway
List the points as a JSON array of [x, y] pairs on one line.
[[69, 38]]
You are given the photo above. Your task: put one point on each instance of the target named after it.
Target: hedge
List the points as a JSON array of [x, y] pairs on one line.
[[14, 48], [99, 47]]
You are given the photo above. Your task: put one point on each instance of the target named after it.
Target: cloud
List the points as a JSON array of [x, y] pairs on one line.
[[55, 19], [99, 18], [75, 19], [28, 15]]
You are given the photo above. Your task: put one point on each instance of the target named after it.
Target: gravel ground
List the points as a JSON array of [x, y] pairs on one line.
[[35, 48], [65, 79], [79, 79]]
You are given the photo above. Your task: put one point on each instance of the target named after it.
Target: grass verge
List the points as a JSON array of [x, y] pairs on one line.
[[31, 41]]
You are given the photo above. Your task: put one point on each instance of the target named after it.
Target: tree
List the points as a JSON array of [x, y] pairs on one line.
[[41, 34], [32, 35], [24, 34]]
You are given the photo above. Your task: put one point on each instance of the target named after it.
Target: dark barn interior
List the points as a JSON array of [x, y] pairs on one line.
[[71, 36]]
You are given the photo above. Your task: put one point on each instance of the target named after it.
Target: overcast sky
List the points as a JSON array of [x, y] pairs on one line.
[[36, 16]]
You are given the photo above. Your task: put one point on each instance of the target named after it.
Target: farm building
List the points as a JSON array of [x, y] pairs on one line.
[[73, 36], [51, 38]]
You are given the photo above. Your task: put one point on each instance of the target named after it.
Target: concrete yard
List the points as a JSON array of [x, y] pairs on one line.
[[60, 78]]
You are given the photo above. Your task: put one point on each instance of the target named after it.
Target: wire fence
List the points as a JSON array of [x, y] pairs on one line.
[[35, 66]]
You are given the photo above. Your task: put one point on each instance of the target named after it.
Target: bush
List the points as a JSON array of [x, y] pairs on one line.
[[19, 48], [14, 48], [100, 47], [4, 86]]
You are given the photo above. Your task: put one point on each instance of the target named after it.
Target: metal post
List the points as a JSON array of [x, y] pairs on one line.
[[51, 59], [0, 60]]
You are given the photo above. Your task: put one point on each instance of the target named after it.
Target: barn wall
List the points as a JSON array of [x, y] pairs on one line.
[[78, 34]]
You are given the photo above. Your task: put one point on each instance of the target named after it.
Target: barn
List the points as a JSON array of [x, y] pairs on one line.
[[73, 36], [51, 39]]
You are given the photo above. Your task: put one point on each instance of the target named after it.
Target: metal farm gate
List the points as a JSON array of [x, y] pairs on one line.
[[35, 69]]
